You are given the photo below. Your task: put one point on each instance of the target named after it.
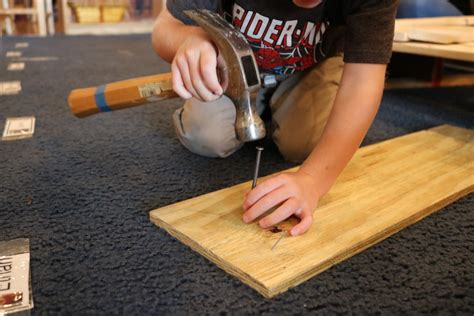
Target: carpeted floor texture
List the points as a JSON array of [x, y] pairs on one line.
[[81, 190]]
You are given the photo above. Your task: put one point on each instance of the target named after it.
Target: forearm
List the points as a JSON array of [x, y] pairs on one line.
[[168, 34], [354, 109]]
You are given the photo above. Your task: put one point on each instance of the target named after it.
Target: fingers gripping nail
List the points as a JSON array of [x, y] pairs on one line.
[[304, 225]]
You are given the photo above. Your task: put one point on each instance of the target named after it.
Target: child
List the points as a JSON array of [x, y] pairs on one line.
[[331, 56]]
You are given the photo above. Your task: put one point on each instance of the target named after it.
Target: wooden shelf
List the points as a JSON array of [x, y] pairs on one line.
[[17, 11], [41, 11]]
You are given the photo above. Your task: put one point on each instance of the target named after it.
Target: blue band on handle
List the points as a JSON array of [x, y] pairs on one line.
[[100, 99]]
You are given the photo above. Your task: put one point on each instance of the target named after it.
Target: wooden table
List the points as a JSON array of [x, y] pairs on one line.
[[450, 37], [442, 38], [464, 52]]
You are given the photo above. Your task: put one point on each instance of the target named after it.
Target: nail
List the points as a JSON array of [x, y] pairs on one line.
[[279, 239], [257, 167]]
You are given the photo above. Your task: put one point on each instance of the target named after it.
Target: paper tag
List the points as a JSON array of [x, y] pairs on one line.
[[22, 45], [15, 285], [10, 87], [149, 90], [13, 54], [152, 91], [14, 277], [16, 66], [19, 128]]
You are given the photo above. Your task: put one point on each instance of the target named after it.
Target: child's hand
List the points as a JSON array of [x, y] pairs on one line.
[[297, 194], [194, 69]]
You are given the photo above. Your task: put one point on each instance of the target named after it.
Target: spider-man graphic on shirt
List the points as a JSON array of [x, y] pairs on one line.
[[280, 47]]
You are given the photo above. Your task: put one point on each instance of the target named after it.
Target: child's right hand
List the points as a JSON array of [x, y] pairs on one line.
[[194, 69]]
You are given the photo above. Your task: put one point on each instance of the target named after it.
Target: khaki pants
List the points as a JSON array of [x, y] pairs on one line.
[[300, 108]]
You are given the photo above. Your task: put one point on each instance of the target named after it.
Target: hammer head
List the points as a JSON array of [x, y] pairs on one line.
[[242, 72]]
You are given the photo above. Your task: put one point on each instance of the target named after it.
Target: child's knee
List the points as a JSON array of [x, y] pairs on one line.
[[207, 128]]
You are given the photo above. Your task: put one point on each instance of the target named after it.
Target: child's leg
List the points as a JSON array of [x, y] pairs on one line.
[[301, 107], [207, 128]]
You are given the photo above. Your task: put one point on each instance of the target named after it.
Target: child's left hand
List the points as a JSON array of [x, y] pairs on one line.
[[297, 194]]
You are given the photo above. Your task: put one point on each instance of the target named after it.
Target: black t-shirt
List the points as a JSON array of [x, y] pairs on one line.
[[287, 39]]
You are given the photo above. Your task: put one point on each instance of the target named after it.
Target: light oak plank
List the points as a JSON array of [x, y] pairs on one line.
[[385, 187], [462, 52], [443, 35], [435, 34], [440, 21]]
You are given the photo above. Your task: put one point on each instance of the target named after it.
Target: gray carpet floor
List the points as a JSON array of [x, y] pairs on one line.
[[81, 190]]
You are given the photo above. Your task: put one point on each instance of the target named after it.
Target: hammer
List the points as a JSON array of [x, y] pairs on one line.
[[242, 76]]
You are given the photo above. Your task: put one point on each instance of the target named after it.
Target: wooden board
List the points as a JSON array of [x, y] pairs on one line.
[[457, 51], [385, 187], [435, 34], [443, 35], [439, 21]]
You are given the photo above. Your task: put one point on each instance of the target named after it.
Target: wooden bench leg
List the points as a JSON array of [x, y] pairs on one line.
[[437, 74], [50, 16], [7, 19], [40, 9]]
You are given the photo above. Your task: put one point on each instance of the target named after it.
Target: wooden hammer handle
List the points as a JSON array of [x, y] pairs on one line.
[[121, 94]]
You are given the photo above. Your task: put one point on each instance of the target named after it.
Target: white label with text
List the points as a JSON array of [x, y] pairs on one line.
[[16, 66], [14, 282], [19, 127], [10, 87]]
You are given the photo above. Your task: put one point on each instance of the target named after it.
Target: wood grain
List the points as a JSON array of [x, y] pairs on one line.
[[385, 187]]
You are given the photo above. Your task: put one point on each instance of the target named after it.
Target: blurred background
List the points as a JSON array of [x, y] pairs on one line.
[[74, 17], [19, 17]]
